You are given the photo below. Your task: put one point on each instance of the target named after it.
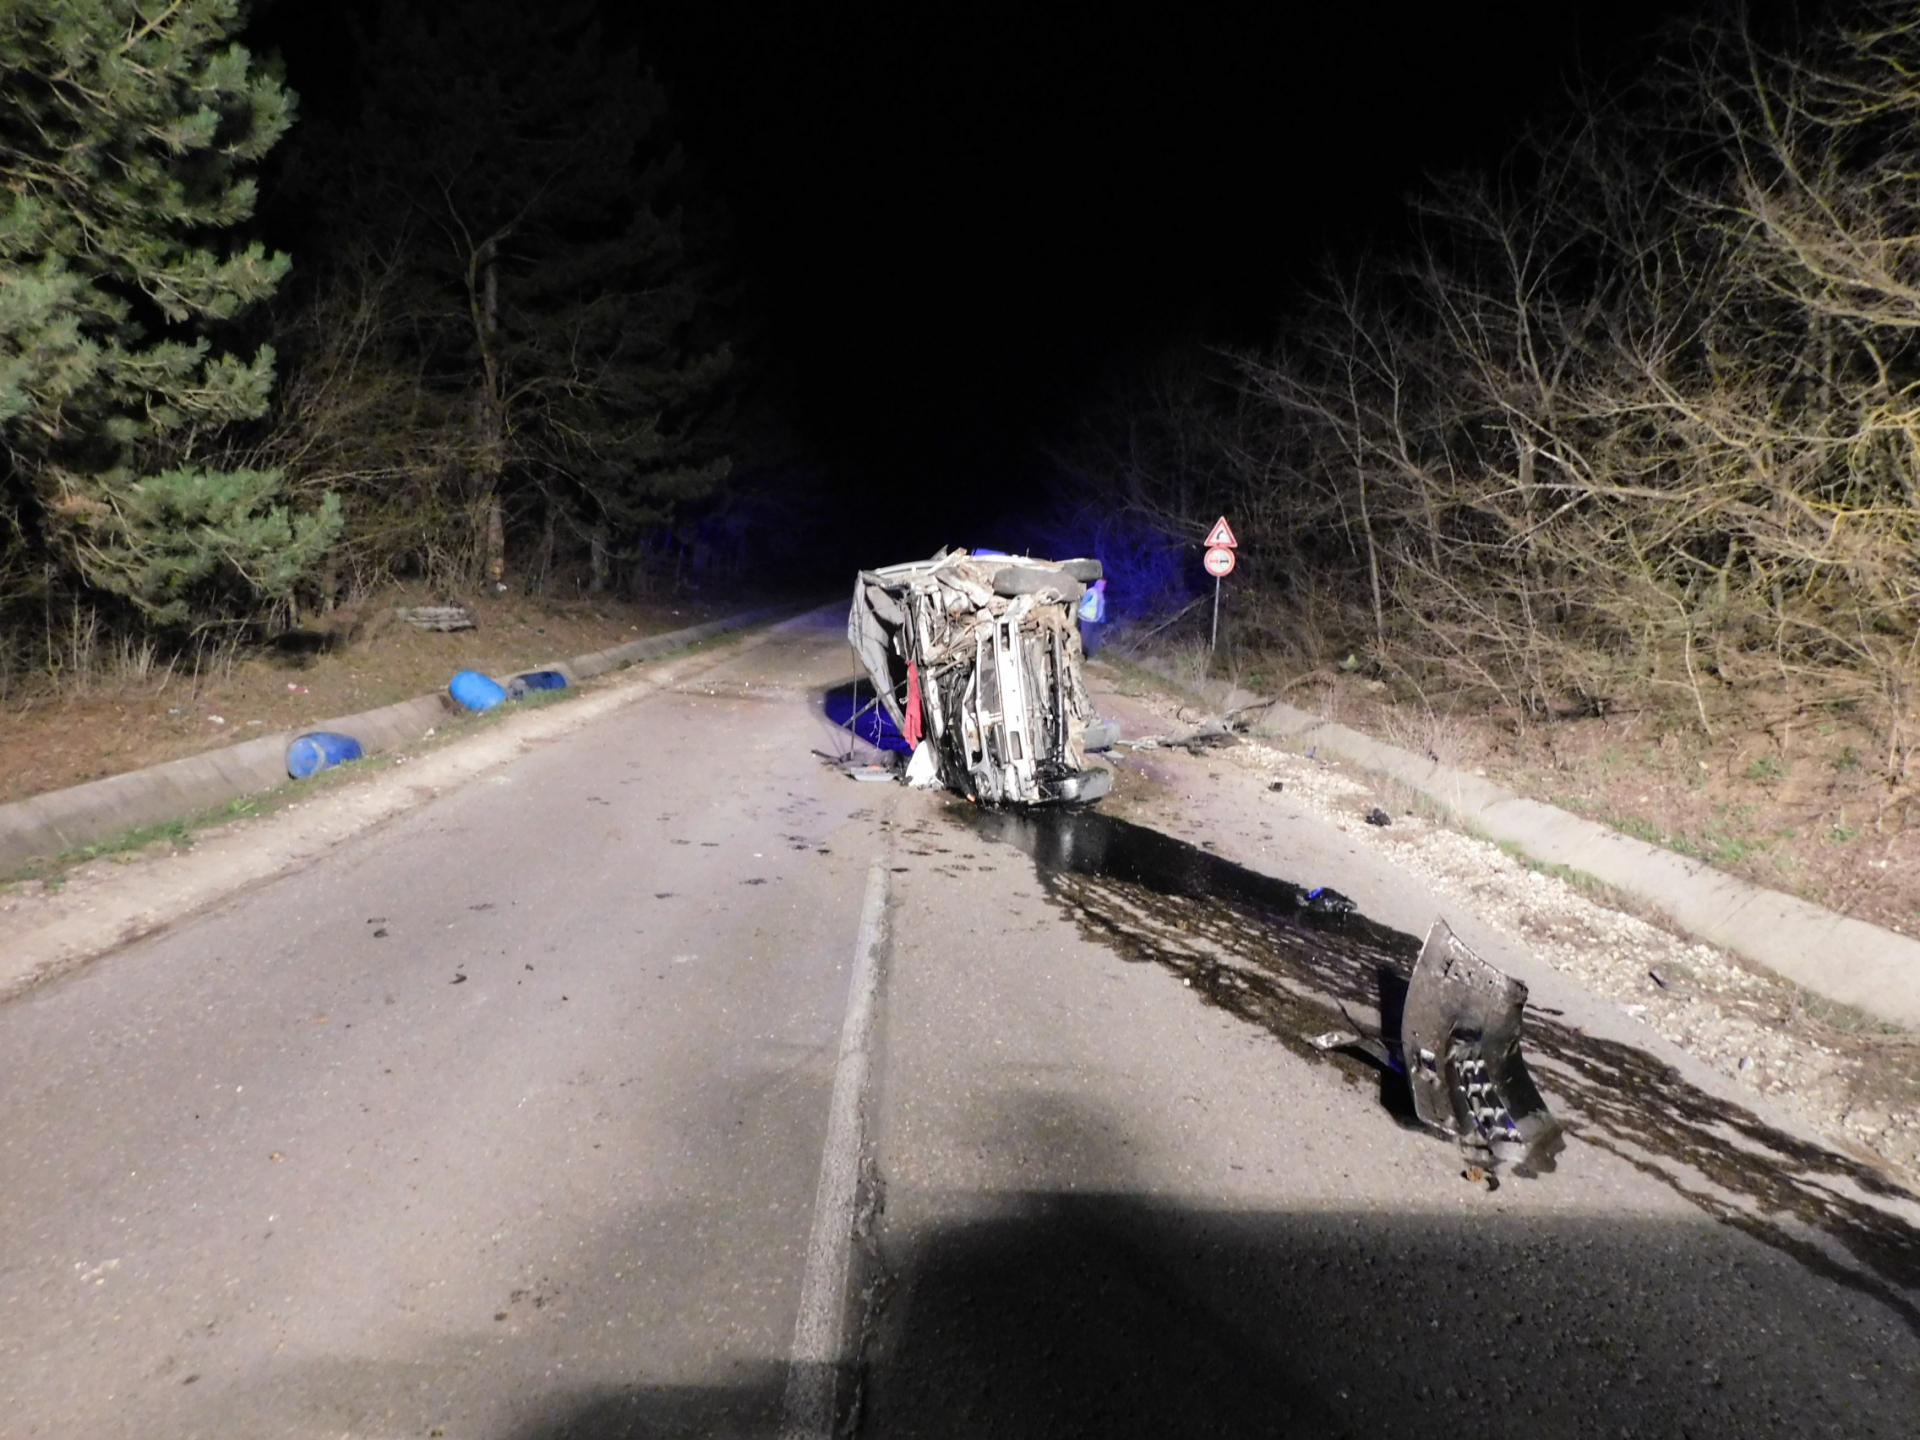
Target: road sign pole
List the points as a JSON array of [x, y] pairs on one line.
[[1219, 563]]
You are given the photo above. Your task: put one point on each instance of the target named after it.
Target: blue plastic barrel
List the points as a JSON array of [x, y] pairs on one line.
[[535, 680], [320, 750], [475, 691]]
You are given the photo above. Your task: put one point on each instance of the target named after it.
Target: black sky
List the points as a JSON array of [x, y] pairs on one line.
[[962, 223], [965, 224]]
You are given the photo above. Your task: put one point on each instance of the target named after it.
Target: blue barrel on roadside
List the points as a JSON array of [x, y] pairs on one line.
[[535, 680], [320, 750], [475, 691]]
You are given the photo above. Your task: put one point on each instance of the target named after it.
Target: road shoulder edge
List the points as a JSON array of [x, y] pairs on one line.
[[57, 821], [234, 858], [1836, 956]]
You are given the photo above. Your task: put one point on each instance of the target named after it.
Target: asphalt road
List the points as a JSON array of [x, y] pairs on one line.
[[511, 1119]]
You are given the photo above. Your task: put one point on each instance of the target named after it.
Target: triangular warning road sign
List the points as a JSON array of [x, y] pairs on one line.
[[1222, 535]]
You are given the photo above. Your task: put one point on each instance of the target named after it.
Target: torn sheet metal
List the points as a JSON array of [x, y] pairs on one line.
[[1460, 1036], [1459, 1049]]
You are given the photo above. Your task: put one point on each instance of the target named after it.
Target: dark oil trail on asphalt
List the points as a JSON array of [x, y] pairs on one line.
[[1255, 946]]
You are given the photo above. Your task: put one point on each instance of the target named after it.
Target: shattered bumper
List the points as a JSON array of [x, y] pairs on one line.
[[1459, 1050]]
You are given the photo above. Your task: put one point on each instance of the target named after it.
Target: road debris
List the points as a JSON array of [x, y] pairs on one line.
[[436, 617], [320, 750], [1324, 900], [1459, 1049], [522, 685], [1214, 735]]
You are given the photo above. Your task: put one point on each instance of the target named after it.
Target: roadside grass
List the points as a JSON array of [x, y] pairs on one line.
[[54, 870], [1817, 1012]]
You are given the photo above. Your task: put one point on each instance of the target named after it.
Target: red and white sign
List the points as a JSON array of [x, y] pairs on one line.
[[1221, 538], [1219, 562]]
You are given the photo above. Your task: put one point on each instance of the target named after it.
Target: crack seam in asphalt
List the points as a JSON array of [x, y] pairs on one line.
[[819, 1339]]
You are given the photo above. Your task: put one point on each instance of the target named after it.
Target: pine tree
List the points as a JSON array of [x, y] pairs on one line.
[[516, 162], [127, 132]]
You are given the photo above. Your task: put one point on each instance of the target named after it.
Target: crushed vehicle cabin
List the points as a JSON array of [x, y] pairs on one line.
[[977, 659]]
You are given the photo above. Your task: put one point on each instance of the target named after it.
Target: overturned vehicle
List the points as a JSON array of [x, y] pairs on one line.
[[977, 659]]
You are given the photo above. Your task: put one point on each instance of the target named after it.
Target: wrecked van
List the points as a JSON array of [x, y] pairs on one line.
[[976, 657]]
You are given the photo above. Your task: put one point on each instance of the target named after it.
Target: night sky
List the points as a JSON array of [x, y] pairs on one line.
[[961, 226]]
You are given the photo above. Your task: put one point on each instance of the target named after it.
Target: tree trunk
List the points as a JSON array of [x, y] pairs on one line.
[[541, 580], [496, 540], [597, 555], [489, 420]]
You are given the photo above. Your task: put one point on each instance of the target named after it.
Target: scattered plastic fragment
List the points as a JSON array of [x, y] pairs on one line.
[[1459, 1048], [923, 770], [1460, 1036], [1276, 787], [1324, 900]]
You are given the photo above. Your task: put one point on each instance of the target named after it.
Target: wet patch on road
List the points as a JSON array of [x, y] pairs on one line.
[[1257, 947]]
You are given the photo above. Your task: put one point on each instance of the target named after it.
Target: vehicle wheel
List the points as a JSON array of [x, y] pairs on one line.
[[1085, 571], [1027, 579]]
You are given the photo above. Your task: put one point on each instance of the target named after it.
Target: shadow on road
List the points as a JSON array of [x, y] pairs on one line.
[[1118, 1316], [744, 1410]]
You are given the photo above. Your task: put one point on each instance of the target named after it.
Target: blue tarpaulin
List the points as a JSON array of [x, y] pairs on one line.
[[852, 707]]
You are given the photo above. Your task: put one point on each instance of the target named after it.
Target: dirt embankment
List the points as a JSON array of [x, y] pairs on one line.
[[99, 719]]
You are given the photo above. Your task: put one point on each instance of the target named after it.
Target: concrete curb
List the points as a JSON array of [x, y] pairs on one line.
[[1843, 959], [59, 820]]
